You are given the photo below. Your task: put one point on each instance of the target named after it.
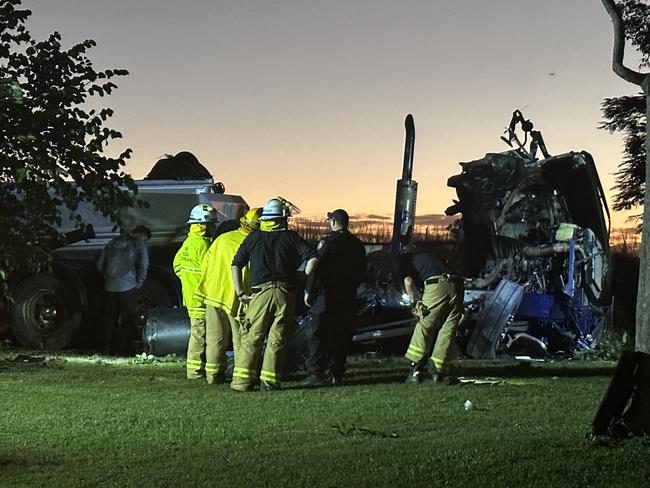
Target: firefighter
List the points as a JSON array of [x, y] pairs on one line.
[[332, 289], [187, 266], [217, 292], [274, 253], [438, 311]]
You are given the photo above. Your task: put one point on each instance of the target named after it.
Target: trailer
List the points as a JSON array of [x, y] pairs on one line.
[[62, 307]]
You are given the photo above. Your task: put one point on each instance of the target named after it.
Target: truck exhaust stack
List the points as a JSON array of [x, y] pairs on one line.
[[405, 196]]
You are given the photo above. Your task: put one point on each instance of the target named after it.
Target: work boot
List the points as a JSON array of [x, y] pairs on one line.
[[217, 379], [313, 381], [268, 386], [415, 374], [443, 379]]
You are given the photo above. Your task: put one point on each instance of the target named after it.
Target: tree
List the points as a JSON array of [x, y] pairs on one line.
[[642, 342], [627, 114], [51, 148], [625, 409]]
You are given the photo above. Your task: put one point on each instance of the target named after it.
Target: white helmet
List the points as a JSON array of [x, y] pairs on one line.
[[202, 213], [274, 209], [278, 208]]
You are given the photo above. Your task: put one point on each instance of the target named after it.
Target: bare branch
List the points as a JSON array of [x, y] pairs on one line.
[[619, 48]]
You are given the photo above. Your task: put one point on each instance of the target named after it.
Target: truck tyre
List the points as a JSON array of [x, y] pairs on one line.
[[46, 313], [161, 288]]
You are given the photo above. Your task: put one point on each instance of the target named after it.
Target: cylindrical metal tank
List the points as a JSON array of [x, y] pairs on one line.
[[167, 331]]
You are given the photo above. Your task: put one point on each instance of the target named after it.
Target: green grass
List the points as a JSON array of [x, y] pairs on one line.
[[89, 422]]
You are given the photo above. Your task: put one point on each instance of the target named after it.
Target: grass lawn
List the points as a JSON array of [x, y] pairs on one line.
[[93, 422]]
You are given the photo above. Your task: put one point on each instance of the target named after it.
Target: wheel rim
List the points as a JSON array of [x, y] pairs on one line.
[[44, 312]]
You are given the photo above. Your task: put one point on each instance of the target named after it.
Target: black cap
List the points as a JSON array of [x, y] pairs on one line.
[[340, 216]]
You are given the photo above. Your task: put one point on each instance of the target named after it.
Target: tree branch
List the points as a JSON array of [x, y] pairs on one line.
[[619, 48]]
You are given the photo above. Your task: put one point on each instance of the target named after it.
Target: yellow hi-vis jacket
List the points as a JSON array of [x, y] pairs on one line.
[[216, 287], [187, 266]]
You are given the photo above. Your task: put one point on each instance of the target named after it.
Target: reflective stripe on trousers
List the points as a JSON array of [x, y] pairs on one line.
[[269, 313], [441, 312]]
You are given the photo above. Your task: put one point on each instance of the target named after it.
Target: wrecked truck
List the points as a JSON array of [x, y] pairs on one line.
[[533, 238]]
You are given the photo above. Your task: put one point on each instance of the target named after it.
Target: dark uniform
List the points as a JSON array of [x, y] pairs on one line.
[[332, 289], [440, 308], [274, 260]]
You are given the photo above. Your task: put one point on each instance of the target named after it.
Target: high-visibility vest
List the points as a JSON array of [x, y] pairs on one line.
[[187, 266], [216, 287]]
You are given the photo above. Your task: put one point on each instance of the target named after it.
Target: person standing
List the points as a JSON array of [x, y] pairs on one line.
[[123, 263], [274, 253], [332, 289], [187, 266], [217, 292], [438, 311]]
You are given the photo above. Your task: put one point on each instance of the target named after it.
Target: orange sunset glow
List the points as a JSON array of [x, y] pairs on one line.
[[307, 99]]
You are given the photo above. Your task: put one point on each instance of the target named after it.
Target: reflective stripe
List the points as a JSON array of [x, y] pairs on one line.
[[213, 302], [244, 376], [194, 363], [268, 375], [440, 365], [415, 352], [244, 373], [211, 367], [189, 269], [244, 370]]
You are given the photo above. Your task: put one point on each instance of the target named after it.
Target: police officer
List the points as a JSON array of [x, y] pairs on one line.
[[217, 292], [274, 253], [439, 311], [187, 266], [332, 290]]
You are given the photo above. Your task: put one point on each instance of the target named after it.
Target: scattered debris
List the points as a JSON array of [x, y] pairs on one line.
[[56, 363], [352, 429], [485, 381], [25, 358]]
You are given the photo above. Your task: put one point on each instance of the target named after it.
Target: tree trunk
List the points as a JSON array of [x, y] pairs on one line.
[[642, 336], [631, 382]]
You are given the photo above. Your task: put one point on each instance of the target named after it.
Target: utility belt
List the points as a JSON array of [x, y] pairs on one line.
[[443, 278], [274, 284]]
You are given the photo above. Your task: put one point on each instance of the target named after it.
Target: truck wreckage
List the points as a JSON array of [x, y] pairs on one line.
[[534, 235], [531, 240], [533, 244]]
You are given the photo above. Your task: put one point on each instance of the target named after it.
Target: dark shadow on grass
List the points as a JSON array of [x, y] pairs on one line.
[[524, 369], [373, 377]]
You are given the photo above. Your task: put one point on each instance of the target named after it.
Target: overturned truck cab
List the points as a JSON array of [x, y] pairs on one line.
[[534, 241]]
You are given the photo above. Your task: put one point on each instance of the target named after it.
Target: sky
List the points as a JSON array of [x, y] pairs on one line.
[[307, 99]]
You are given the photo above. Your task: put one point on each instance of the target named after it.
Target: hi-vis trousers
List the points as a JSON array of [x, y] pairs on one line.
[[221, 327], [209, 341], [196, 347], [441, 309], [270, 312]]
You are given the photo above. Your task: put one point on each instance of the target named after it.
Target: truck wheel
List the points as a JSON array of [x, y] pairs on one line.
[[46, 313], [161, 288]]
